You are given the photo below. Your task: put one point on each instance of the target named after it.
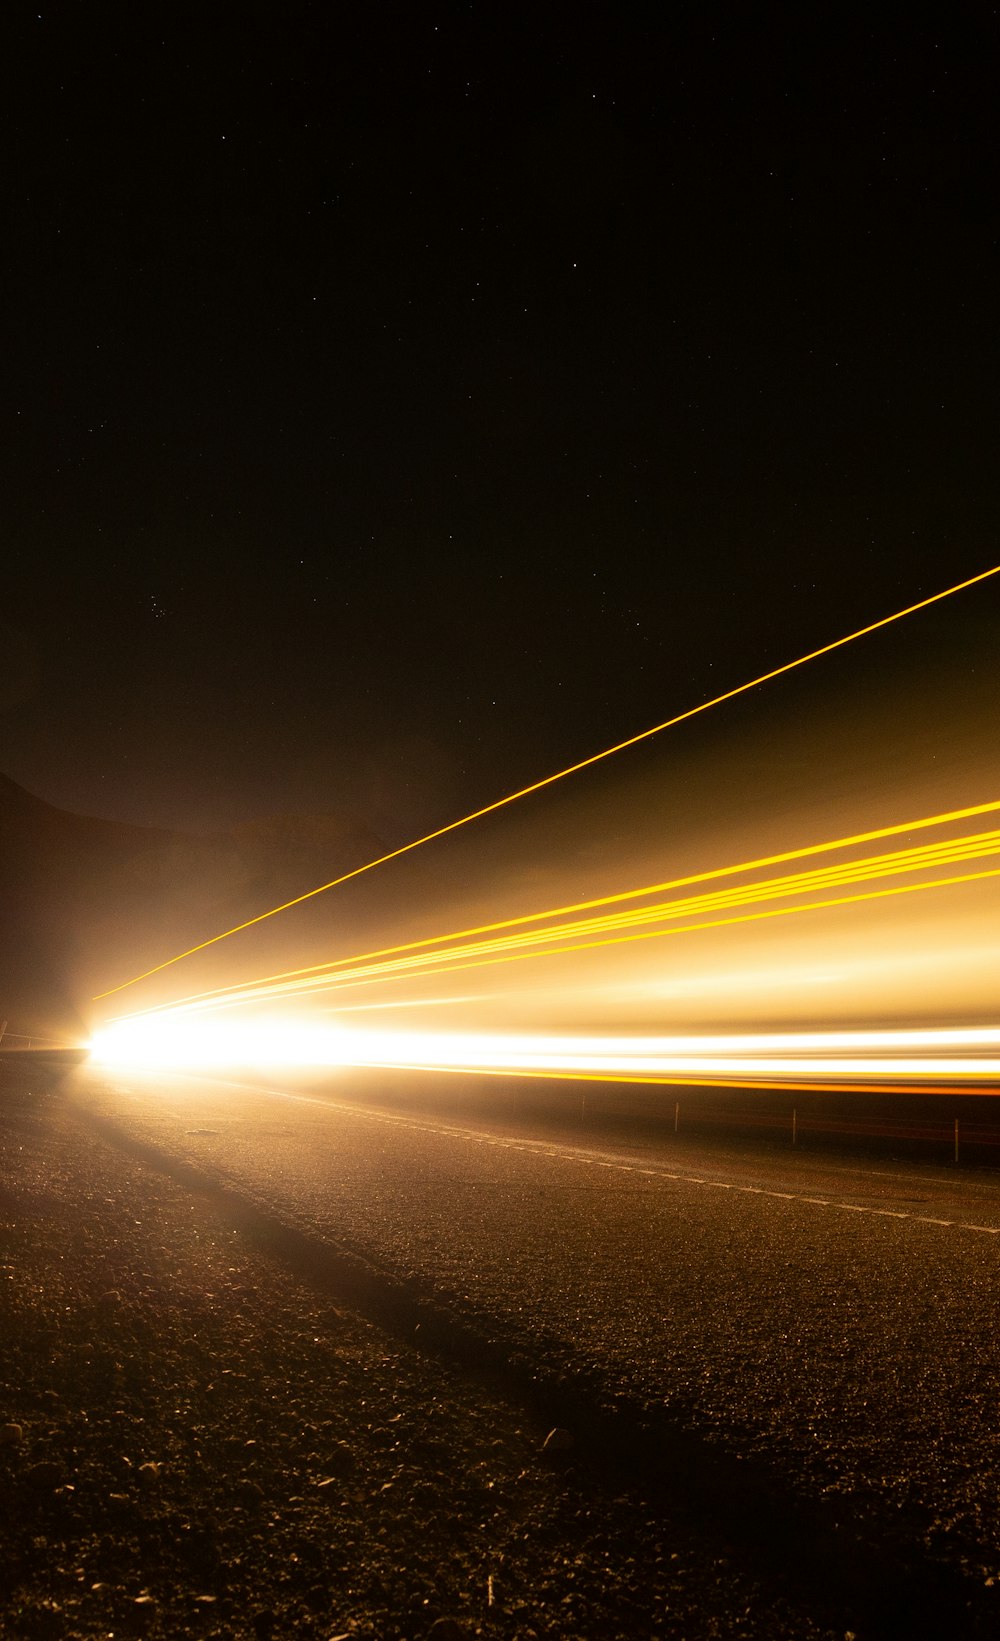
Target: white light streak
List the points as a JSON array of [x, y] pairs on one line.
[[180, 1039]]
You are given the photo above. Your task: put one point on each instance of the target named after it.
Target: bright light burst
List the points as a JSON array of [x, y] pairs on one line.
[[179, 1039]]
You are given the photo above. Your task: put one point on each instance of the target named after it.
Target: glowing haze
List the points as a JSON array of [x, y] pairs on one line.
[[585, 957], [814, 902]]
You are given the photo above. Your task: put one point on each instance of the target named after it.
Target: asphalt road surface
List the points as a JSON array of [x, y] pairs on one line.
[[826, 1327]]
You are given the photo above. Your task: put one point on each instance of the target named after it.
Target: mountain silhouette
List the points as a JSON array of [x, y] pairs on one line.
[[87, 903]]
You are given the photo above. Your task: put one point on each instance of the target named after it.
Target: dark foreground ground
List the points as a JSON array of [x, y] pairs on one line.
[[196, 1442]]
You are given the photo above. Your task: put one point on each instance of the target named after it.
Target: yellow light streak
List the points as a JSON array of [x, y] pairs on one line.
[[792, 884], [517, 948], [559, 775], [790, 1084], [342, 982], [290, 979]]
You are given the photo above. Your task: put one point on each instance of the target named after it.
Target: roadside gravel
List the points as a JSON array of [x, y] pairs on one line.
[[821, 1332], [195, 1443]]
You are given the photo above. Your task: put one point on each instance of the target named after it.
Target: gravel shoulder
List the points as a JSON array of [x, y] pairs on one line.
[[196, 1442], [801, 1335]]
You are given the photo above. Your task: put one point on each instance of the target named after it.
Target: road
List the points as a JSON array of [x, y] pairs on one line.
[[831, 1320]]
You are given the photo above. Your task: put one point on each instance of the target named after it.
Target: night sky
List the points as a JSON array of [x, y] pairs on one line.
[[400, 402]]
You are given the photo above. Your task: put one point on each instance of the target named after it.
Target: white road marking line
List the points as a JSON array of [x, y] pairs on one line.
[[536, 1148], [562, 1154]]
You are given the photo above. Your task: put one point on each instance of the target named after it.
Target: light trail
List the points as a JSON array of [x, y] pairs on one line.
[[536, 943], [716, 909], [193, 1034], [928, 1058], [343, 983], [319, 976], [559, 775]]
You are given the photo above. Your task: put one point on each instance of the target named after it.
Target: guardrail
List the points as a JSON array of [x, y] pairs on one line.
[[9, 1038], [957, 1137]]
